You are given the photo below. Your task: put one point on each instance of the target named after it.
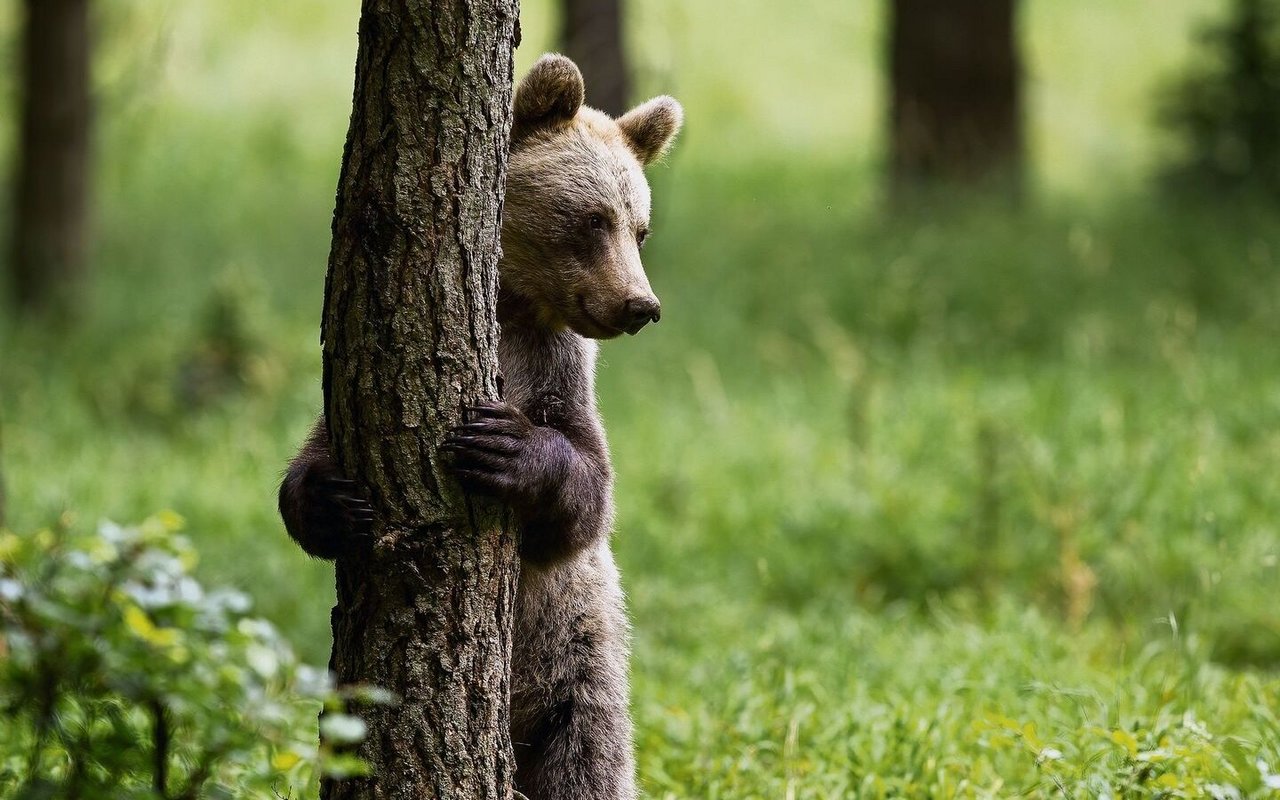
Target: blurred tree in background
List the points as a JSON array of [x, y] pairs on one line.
[[591, 35], [2, 492], [50, 207], [1225, 110], [955, 78]]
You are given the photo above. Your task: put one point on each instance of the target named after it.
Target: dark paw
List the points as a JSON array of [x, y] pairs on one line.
[[345, 501], [337, 516], [489, 451]]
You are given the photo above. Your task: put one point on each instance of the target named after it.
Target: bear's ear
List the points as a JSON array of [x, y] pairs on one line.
[[651, 126], [550, 94]]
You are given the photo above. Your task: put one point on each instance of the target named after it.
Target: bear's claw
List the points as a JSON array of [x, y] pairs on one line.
[[356, 511], [488, 449]]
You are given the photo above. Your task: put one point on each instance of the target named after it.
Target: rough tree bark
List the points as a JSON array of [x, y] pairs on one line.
[[591, 35], [955, 85], [50, 206], [410, 336]]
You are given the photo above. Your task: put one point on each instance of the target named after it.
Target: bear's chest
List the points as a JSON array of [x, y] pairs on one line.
[[548, 376]]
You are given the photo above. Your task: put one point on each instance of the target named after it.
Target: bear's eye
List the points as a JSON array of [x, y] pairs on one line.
[[596, 221], [641, 236]]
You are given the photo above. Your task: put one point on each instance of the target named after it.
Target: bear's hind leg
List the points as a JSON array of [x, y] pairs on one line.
[[579, 750]]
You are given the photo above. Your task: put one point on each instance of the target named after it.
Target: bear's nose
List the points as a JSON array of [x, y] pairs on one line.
[[640, 311]]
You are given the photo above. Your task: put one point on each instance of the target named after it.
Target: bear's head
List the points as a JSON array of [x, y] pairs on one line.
[[577, 204]]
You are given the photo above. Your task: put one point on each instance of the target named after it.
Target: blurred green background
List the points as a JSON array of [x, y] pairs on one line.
[[946, 498]]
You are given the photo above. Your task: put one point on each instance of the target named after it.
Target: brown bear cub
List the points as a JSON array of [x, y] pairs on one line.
[[576, 215]]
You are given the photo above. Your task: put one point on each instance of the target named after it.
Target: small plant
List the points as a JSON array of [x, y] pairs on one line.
[[229, 350], [121, 676]]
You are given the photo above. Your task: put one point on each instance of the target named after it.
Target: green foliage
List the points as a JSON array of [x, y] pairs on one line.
[[121, 676], [1226, 109]]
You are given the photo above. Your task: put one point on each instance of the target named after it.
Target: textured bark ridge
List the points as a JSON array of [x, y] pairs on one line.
[[410, 336]]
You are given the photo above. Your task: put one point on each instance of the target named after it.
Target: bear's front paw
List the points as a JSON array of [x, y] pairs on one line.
[[493, 452]]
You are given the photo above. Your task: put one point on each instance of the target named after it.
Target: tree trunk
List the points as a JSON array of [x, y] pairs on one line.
[[956, 106], [49, 235], [410, 336], [591, 34]]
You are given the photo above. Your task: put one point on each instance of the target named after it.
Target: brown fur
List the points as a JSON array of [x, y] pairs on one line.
[[577, 211]]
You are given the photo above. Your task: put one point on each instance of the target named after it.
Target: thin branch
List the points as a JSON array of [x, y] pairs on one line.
[[160, 746]]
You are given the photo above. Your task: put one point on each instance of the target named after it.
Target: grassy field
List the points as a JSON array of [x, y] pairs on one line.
[[952, 503]]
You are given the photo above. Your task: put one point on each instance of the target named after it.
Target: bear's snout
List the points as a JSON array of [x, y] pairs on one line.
[[638, 312]]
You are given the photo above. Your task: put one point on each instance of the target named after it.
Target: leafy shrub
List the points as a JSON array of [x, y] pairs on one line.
[[121, 676], [1226, 109]]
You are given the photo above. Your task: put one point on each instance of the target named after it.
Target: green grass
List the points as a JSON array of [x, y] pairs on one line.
[[890, 489]]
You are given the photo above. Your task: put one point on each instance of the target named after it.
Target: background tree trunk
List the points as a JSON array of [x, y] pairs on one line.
[[410, 335], [3, 506], [955, 85], [50, 208], [591, 35]]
